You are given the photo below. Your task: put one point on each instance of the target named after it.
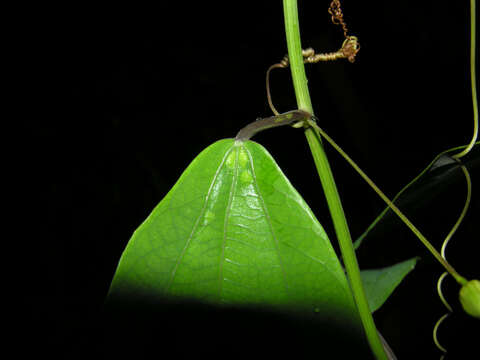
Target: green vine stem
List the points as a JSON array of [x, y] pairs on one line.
[[292, 30], [473, 80]]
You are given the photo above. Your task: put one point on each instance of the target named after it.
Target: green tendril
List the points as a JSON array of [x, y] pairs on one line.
[[473, 80]]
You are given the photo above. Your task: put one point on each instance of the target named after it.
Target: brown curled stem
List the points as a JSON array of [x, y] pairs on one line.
[[295, 118]]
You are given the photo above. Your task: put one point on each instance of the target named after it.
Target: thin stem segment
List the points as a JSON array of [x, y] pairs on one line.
[[460, 279], [473, 81]]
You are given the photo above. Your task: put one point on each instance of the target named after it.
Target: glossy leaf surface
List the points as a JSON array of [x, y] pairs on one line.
[[380, 283], [233, 230], [435, 181]]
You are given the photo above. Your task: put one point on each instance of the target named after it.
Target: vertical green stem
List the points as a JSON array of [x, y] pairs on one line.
[[295, 56], [473, 80], [326, 177]]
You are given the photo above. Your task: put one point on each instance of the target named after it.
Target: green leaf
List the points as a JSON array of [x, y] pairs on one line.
[[234, 231], [380, 283]]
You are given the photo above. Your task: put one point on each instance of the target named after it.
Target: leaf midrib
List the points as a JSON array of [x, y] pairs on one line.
[[269, 222]]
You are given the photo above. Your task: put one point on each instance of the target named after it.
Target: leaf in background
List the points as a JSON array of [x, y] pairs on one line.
[[233, 230], [434, 181], [380, 283]]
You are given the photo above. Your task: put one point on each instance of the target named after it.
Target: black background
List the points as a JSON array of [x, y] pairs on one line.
[[126, 97]]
